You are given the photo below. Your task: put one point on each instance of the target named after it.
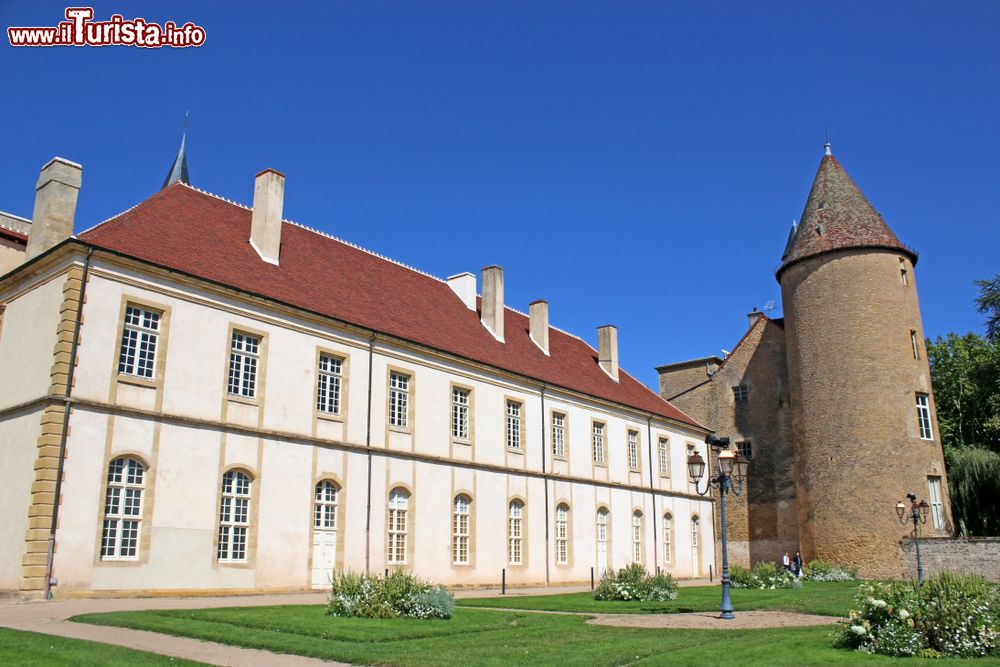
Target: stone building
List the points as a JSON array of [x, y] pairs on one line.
[[200, 396], [832, 403]]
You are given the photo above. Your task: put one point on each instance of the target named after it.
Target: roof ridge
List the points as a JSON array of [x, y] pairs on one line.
[[13, 215]]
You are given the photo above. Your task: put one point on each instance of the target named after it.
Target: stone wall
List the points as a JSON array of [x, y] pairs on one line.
[[968, 554]]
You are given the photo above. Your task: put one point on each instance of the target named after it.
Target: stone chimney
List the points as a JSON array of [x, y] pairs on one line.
[[538, 313], [753, 316], [607, 349], [492, 316], [55, 205], [464, 285], [265, 225]]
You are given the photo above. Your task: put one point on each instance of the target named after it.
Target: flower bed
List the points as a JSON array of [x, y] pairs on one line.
[[632, 583], [952, 614], [763, 576], [399, 594], [821, 570]]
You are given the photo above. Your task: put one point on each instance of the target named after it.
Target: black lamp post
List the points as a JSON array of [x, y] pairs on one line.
[[918, 515], [730, 468]]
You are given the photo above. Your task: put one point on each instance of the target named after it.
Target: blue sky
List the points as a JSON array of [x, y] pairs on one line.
[[635, 163]]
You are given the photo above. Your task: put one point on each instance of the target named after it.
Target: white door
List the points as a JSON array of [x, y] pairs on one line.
[[324, 555], [696, 546], [602, 542]]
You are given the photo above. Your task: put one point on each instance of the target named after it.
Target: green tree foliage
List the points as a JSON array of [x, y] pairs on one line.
[[974, 480], [989, 305]]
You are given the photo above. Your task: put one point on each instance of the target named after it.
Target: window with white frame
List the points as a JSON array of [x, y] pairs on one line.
[[460, 413], [558, 434], [399, 399], [562, 534], [515, 517], [598, 443], [244, 355], [325, 507], [122, 509], [690, 452], [914, 344], [513, 425], [633, 450], [234, 517], [924, 417], [460, 530], [329, 378], [745, 447], [695, 531], [937, 506], [664, 456], [139, 337], [668, 537], [741, 392], [637, 537], [399, 503]]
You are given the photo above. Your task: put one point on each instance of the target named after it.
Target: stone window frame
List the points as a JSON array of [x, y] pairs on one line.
[[460, 535], [663, 455], [160, 357], [603, 510], [131, 347], [936, 501], [745, 447], [455, 409], [518, 540], [668, 538], [602, 448], [925, 428], [563, 533], [394, 411], [741, 392], [338, 378], [251, 525], [637, 541], [141, 518], [393, 545], [564, 428], [515, 436], [914, 344], [637, 458]]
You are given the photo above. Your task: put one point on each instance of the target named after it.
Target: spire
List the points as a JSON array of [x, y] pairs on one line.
[[179, 169], [837, 215]]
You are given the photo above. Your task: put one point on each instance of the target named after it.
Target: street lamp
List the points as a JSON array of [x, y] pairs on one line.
[[730, 468], [918, 515]]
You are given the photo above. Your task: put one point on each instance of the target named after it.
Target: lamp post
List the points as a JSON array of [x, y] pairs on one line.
[[730, 468], [918, 515]]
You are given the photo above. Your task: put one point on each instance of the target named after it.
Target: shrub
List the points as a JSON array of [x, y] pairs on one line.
[[821, 570], [951, 615], [399, 594], [632, 583], [763, 575]]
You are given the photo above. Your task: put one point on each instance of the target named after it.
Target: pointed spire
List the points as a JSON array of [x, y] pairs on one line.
[[827, 150], [179, 169], [837, 216]]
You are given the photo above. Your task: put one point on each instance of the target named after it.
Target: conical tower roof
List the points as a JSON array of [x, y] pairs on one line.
[[179, 169], [837, 216]]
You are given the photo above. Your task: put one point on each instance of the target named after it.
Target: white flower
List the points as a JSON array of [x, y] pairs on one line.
[[878, 604], [859, 630], [903, 613]]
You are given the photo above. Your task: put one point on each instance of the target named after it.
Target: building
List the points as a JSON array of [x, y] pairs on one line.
[[202, 397], [833, 403]]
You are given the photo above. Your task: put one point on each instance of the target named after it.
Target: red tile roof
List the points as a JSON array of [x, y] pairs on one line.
[[838, 216], [187, 230], [8, 233]]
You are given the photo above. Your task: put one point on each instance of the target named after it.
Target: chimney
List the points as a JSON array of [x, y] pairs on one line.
[[538, 313], [464, 285], [607, 349], [753, 316], [492, 316], [55, 204], [265, 225]]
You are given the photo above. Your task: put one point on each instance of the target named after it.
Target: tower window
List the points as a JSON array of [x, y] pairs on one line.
[[903, 278], [937, 507], [924, 417], [745, 448], [914, 344], [741, 392]]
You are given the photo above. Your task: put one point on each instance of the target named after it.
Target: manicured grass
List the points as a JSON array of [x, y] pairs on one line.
[[484, 637], [824, 598], [30, 648]]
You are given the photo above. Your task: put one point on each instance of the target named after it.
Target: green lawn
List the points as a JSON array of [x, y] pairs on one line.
[[824, 598], [30, 648], [486, 637]]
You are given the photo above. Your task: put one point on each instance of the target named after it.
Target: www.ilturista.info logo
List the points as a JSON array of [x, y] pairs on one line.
[[81, 30]]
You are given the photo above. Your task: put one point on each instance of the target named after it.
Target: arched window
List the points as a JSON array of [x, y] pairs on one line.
[[602, 541], [562, 534], [460, 530], [122, 509], [514, 532], [234, 516], [325, 509], [637, 536], [399, 503], [695, 530], [668, 537]]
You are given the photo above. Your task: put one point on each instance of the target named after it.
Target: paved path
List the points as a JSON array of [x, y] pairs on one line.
[[709, 620]]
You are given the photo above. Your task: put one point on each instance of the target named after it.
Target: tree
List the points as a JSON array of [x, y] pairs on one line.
[[989, 305]]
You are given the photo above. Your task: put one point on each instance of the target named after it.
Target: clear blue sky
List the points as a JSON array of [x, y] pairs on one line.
[[637, 163]]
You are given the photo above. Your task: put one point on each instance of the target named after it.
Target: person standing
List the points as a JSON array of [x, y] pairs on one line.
[[787, 562], [797, 564]]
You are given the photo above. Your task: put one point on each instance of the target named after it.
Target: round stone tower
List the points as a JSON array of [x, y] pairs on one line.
[[863, 414]]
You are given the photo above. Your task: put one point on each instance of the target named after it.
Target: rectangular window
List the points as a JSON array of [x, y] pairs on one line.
[[745, 448], [903, 278], [598, 442], [924, 417], [937, 507], [460, 413], [329, 380], [633, 450], [244, 355], [139, 336], [399, 399], [513, 425], [741, 392], [664, 457], [914, 344], [558, 434]]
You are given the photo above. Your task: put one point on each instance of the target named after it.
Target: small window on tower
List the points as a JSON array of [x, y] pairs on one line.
[[745, 448], [902, 272], [741, 392], [914, 344]]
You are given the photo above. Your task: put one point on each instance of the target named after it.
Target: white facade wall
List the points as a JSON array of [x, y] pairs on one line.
[[188, 432]]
